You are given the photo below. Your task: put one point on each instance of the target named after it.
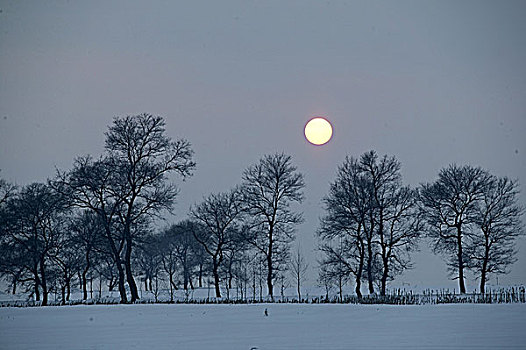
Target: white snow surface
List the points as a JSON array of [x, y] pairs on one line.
[[287, 326]]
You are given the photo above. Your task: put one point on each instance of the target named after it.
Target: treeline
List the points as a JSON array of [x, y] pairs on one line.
[[96, 221], [373, 222]]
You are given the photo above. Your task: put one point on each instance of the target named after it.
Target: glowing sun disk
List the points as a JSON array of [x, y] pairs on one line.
[[318, 131]]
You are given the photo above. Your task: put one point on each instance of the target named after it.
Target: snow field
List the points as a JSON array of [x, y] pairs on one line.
[[288, 326]]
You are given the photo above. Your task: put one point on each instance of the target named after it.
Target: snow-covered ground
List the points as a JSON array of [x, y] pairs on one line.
[[287, 326]]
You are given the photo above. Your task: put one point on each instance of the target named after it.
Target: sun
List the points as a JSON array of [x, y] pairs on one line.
[[318, 131]]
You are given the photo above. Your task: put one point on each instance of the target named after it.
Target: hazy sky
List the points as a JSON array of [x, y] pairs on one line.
[[432, 83]]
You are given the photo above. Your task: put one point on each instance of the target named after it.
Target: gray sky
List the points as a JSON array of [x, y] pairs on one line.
[[432, 83]]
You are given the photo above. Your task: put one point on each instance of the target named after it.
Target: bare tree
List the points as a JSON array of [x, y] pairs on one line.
[[233, 255], [240, 271], [129, 185], [180, 252], [298, 270], [373, 216], [87, 237], [107, 270], [148, 258], [11, 258], [6, 190], [170, 262], [400, 235], [449, 206], [93, 184], [145, 156], [393, 213], [67, 263], [13, 264], [218, 215], [348, 220], [337, 265], [33, 224], [497, 218], [269, 189]]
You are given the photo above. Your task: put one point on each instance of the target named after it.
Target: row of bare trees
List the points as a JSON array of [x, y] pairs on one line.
[[255, 217], [99, 217], [373, 222], [97, 220], [121, 191]]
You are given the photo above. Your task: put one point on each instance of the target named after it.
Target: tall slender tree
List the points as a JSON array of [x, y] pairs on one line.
[[298, 270], [87, 235], [93, 185], [370, 212], [129, 185], [393, 211], [346, 225], [269, 188], [34, 224], [498, 223], [145, 157], [218, 216], [449, 206], [179, 248], [335, 267]]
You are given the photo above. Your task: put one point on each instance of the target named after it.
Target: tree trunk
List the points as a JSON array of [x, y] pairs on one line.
[[37, 284], [171, 287], [156, 292], [370, 268], [43, 282], [460, 261], [185, 278], [385, 274], [68, 288], [260, 288], [117, 260], [484, 271], [230, 277], [385, 259], [100, 285], [358, 288], [84, 284], [122, 288], [129, 274], [269, 274], [483, 282], [254, 284], [299, 290], [111, 284], [340, 285], [84, 280], [200, 275], [216, 277]]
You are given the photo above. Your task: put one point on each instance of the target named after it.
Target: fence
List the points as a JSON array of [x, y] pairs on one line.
[[428, 296], [394, 297]]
